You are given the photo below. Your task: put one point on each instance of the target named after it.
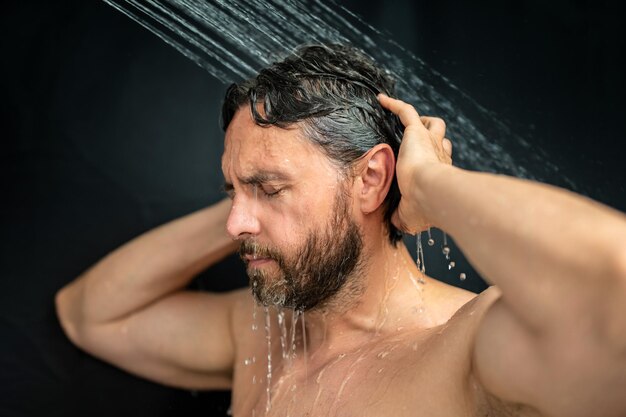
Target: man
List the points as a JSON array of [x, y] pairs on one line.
[[310, 168]]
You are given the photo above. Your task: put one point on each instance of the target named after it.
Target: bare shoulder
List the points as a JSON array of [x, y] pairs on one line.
[[449, 304], [456, 315], [475, 305], [463, 326]]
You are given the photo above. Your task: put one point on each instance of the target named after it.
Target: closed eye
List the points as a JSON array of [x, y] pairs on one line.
[[270, 192]]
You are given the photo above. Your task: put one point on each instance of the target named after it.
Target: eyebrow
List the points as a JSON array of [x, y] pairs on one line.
[[258, 178]]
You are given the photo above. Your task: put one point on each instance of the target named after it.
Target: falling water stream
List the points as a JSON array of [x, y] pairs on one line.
[[232, 40]]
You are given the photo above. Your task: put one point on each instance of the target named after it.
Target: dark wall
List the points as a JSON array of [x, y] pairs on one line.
[[107, 132], [552, 70]]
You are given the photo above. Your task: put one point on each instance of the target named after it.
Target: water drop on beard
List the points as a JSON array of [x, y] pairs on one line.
[[451, 265], [462, 276], [431, 241]]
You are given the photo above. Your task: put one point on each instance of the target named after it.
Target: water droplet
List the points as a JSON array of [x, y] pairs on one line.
[[247, 361], [446, 251], [462, 276], [451, 265], [380, 370], [419, 259], [254, 379], [382, 354], [254, 327], [431, 241], [229, 412]]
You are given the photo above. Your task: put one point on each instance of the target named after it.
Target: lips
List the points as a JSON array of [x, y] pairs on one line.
[[256, 261]]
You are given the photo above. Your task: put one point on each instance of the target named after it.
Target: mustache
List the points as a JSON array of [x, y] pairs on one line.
[[250, 247]]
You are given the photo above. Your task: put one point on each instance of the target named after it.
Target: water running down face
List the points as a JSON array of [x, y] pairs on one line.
[[310, 274]]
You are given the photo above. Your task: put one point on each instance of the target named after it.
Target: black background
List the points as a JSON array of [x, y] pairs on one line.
[[107, 132]]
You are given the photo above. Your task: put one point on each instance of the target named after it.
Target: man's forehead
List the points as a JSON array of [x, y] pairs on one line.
[[250, 147]]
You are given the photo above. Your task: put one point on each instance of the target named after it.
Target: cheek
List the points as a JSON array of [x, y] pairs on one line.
[[282, 228], [288, 227]]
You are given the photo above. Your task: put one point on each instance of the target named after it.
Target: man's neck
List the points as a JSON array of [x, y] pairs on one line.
[[390, 300]]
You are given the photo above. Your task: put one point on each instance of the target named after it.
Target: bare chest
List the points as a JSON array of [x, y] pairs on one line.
[[397, 377]]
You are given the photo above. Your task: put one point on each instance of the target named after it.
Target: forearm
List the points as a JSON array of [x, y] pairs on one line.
[[148, 267], [552, 253]]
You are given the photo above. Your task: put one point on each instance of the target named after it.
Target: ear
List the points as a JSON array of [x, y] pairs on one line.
[[377, 171]]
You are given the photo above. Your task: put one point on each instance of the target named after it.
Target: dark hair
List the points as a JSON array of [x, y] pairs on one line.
[[330, 90]]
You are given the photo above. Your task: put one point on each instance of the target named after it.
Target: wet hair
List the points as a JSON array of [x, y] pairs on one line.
[[330, 92]]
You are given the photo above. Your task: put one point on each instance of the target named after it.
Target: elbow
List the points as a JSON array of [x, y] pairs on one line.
[[67, 314]]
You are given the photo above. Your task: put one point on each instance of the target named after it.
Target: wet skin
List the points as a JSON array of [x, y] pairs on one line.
[[420, 368], [401, 345]]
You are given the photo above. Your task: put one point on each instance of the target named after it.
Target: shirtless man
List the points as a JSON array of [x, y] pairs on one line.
[[318, 234]]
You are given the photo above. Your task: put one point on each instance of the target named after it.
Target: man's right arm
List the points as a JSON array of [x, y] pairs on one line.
[[131, 308]]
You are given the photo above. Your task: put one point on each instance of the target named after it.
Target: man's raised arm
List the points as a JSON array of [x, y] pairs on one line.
[[130, 308], [556, 338]]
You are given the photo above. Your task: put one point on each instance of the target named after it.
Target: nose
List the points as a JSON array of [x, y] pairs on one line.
[[242, 220]]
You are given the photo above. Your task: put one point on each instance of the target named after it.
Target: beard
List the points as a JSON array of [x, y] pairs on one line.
[[316, 271]]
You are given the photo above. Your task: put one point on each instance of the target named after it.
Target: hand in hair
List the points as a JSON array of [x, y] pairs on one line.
[[423, 144]]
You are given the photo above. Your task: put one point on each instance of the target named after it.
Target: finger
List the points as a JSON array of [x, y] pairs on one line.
[[447, 146], [435, 125], [407, 113]]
